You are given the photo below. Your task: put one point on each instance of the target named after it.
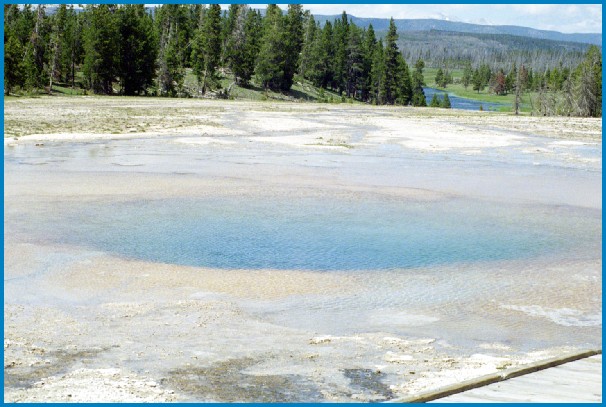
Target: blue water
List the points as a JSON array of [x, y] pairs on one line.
[[316, 233], [461, 103]]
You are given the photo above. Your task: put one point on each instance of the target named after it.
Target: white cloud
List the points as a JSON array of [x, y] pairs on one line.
[[442, 16], [535, 9]]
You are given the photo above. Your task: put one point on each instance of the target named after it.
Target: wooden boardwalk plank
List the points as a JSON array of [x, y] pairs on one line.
[[578, 381]]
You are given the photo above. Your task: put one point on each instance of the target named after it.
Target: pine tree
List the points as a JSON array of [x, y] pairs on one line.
[[418, 81], [197, 45], [193, 18], [170, 20], [339, 58], [448, 77], [391, 82], [395, 86], [101, 42], [270, 61], [467, 74], [55, 45], [510, 79], [435, 102], [589, 84], [19, 22], [485, 75], [293, 43], [138, 48], [321, 72], [24, 22], [35, 51], [404, 82], [11, 16], [378, 75], [308, 43], [72, 48], [370, 43], [233, 38], [230, 22], [440, 78], [554, 79], [538, 81], [211, 45], [519, 87], [254, 31], [446, 102], [13, 62], [14, 70], [567, 103], [477, 81], [355, 62], [243, 44]]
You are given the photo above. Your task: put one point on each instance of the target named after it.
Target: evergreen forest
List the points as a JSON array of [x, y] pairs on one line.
[[134, 50]]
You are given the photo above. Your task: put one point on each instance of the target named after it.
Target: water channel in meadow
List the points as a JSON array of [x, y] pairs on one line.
[[458, 102]]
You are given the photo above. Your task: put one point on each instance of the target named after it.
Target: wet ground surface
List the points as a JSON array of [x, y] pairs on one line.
[[119, 320], [227, 382]]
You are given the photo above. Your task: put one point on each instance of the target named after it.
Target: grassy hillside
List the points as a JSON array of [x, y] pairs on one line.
[[302, 90]]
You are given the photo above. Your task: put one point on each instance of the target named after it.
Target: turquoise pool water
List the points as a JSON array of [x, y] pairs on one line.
[[318, 233]]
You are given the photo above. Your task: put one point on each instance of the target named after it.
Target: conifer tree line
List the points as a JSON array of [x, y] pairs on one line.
[[130, 50], [556, 91], [453, 49]]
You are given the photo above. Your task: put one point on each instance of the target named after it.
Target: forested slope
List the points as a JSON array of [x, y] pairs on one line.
[[134, 50]]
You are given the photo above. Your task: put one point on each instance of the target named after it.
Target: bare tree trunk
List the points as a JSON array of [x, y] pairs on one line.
[[73, 71], [204, 82], [37, 29], [35, 38], [53, 63], [531, 105], [516, 102]]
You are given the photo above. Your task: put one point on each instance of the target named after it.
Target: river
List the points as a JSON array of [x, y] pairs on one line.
[[462, 103]]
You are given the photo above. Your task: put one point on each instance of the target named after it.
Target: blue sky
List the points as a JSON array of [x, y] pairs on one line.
[[566, 18]]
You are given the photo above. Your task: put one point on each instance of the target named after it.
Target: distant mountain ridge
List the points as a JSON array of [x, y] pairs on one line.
[[380, 24]]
